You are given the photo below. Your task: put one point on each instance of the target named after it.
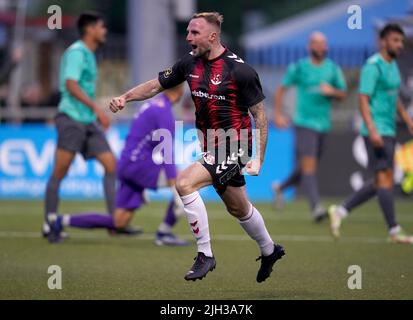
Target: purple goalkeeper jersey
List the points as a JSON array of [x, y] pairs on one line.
[[140, 163]]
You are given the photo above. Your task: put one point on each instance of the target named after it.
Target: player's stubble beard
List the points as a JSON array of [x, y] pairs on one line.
[[318, 55], [392, 53], [203, 53]]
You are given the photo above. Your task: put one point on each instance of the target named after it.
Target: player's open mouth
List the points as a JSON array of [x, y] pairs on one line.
[[194, 47]]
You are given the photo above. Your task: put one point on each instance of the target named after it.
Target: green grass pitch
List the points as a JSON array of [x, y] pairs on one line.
[[97, 266]]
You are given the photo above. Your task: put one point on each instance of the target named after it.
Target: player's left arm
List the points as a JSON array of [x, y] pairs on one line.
[[404, 115], [253, 167], [331, 92]]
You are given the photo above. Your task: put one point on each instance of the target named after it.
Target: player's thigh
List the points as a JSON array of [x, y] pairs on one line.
[[307, 148], [71, 134], [236, 201], [108, 161], [122, 217], [381, 161], [63, 159], [193, 178], [97, 146]]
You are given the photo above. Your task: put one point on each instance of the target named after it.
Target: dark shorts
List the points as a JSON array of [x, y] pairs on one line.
[[309, 142], [135, 177], [73, 136], [226, 172], [381, 158], [129, 195]]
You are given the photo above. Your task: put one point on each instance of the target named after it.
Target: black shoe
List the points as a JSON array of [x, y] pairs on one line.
[[46, 231], [201, 267], [56, 228], [128, 231], [319, 214], [321, 217], [267, 262]]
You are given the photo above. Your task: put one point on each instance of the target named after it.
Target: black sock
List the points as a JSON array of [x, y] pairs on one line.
[[386, 201], [311, 189], [360, 196], [109, 188], [293, 179], [52, 196]]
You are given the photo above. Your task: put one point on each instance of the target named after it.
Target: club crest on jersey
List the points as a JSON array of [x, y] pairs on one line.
[[167, 72], [216, 79], [209, 158]]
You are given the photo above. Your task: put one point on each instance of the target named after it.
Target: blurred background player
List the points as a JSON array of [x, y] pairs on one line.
[[318, 80], [379, 103], [77, 128], [141, 167]]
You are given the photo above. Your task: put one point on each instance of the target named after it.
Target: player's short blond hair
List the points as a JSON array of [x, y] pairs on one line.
[[214, 18]]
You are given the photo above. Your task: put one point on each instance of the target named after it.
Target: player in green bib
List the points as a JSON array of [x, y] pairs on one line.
[[318, 81], [80, 120], [379, 105]]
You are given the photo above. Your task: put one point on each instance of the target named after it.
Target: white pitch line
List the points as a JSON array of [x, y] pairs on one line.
[[218, 237]]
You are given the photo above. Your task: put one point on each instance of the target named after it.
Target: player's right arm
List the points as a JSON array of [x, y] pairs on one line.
[[368, 80], [279, 119], [76, 91], [141, 92], [72, 73], [167, 79], [289, 79], [374, 136]]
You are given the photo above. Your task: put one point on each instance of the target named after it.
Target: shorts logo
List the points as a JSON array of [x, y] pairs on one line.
[[209, 158], [167, 72], [216, 80], [230, 160]]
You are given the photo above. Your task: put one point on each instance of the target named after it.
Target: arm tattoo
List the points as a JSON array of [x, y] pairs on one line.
[[261, 125]]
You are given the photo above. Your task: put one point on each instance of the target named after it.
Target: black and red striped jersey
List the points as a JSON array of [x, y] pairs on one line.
[[222, 89]]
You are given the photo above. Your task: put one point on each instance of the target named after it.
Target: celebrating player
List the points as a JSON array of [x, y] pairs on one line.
[[224, 90], [318, 80], [138, 169], [379, 104]]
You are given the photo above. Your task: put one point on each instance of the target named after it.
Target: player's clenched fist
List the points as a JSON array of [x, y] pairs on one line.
[[253, 167], [117, 103]]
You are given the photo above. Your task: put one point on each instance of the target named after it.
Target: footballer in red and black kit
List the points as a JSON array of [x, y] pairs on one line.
[[222, 89]]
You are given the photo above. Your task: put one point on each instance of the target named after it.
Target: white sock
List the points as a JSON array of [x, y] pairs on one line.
[[178, 205], [164, 228], [254, 225], [395, 230], [342, 212], [66, 220], [197, 217]]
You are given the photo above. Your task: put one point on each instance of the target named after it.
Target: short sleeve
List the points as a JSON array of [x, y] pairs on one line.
[[368, 78], [290, 77], [74, 65], [249, 86], [339, 81], [171, 77]]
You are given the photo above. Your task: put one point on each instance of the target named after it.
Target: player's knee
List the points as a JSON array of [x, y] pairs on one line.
[[384, 179], [60, 172], [110, 166], [121, 221], [237, 210], [308, 165], [184, 185]]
